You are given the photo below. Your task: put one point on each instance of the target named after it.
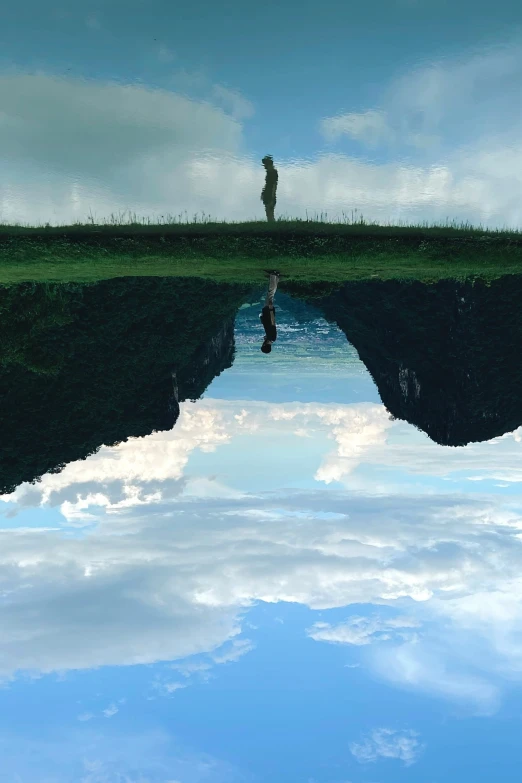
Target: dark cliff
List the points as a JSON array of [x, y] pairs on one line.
[[444, 356], [88, 365]]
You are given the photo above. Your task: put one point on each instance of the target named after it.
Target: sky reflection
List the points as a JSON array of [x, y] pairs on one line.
[[316, 550], [290, 585], [170, 119]]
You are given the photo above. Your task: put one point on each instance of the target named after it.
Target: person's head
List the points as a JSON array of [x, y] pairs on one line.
[[266, 347], [267, 161]]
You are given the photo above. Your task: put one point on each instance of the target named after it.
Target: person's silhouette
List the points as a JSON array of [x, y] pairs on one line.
[[268, 194], [267, 315]]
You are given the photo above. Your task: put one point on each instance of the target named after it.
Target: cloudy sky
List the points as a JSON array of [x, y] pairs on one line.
[[402, 109], [289, 586], [275, 590]]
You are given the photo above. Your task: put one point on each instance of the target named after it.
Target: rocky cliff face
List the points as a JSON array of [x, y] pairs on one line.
[[445, 357], [208, 361], [85, 366]]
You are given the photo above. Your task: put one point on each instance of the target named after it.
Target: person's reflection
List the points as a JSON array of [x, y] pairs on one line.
[[268, 313], [268, 194]]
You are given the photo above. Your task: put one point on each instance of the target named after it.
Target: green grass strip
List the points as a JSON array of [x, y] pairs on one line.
[[304, 251]]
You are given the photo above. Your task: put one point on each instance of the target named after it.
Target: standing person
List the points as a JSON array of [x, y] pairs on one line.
[[268, 194], [268, 313]]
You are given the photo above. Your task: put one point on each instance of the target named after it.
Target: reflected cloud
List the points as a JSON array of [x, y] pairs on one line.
[[238, 648], [170, 150], [436, 670], [165, 54], [148, 583], [106, 756], [388, 744], [165, 565], [363, 630], [435, 105], [370, 127], [111, 710], [163, 553]]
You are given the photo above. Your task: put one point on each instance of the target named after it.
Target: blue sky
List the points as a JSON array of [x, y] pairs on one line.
[[403, 110], [277, 589], [289, 586]]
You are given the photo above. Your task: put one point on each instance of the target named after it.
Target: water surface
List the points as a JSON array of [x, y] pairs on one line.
[[219, 564]]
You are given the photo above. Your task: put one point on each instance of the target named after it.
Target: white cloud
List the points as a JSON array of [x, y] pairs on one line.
[[189, 668], [365, 435], [111, 710], [165, 54], [202, 671], [122, 476], [85, 716], [172, 687], [371, 127], [438, 105], [357, 430], [145, 132], [237, 649], [167, 687], [430, 669], [452, 91], [106, 755], [363, 630], [232, 100], [148, 583], [388, 744], [395, 445], [452, 129], [162, 573]]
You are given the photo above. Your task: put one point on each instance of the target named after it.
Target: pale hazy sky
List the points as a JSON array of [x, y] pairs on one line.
[[404, 110]]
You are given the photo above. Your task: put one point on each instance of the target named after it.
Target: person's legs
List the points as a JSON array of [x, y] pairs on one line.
[[269, 209], [272, 287]]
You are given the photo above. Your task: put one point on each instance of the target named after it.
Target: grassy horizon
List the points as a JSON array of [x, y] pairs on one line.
[[302, 249], [356, 221]]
